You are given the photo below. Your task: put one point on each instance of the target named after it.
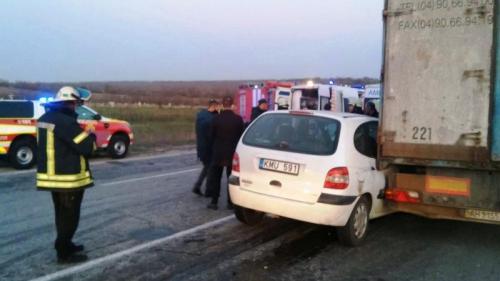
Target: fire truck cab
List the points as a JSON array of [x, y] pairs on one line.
[[18, 120], [248, 96]]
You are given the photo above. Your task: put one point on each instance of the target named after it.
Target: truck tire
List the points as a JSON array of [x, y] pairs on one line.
[[354, 232], [22, 154], [118, 146], [248, 216]]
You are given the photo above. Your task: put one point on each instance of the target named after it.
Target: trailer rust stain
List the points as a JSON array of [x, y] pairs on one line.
[[481, 11], [467, 138], [477, 73]]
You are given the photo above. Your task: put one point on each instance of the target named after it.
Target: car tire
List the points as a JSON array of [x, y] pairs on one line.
[[248, 216], [354, 232], [118, 146], [22, 154]]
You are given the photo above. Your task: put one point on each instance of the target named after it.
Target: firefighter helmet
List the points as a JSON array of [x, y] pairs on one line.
[[67, 94], [72, 94]]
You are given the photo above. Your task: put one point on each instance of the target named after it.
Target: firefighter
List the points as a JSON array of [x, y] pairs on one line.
[[63, 168]]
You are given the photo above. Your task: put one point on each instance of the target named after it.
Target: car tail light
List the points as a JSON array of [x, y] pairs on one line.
[[337, 178], [236, 163], [400, 195]]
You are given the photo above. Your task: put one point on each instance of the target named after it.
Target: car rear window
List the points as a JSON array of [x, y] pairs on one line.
[[16, 109], [294, 133]]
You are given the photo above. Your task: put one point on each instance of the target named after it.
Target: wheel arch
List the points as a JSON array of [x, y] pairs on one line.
[[121, 133], [23, 137], [369, 197]]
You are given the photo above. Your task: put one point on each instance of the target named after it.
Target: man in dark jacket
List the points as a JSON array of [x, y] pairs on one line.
[[370, 109], [63, 168], [203, 146], [225, 132], [258, 110]]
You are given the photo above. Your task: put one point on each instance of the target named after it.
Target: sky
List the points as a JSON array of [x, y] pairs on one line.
[[184, 40]]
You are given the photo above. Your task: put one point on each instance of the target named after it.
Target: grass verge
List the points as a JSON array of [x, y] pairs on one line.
[[156, 128]]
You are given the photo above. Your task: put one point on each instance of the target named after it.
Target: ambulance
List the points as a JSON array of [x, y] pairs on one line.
[[18, 131], [313, 96], [372, 93]]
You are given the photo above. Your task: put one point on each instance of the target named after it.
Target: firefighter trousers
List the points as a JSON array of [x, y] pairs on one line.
[[67, 215]]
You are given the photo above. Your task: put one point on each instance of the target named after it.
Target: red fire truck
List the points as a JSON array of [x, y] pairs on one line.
[[248, 96]]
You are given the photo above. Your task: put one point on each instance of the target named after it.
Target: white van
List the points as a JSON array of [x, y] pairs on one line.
[[315, 97]]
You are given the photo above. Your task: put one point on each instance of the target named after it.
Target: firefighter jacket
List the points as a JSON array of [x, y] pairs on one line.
[[63, 150]]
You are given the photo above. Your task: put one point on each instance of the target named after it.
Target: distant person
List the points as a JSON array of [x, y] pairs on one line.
[[370, 109], [203, 146], [328, 107], [353, 108], [259, 109], [225, 132], [63, 167]]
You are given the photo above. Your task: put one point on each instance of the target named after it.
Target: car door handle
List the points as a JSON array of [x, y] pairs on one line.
[[106, 125], [275, 183]]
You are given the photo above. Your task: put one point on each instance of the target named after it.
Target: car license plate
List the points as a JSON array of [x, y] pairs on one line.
[[279, 166], [482, 215]]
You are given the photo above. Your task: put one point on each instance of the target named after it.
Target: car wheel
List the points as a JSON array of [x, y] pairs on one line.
[[248, 216], [354, 232], [22, 154], [118, 147]]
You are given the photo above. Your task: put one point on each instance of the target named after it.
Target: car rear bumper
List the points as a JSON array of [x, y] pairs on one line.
[[318, 213]]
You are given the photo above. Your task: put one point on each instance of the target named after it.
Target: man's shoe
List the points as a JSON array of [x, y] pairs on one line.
[[212, 206], [197, 191], [77, 248], [71, 259]]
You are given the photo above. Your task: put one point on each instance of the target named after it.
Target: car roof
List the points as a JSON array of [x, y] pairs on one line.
[[340, 116]]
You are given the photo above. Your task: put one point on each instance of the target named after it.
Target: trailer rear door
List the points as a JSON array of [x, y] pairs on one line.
[[437, 79]]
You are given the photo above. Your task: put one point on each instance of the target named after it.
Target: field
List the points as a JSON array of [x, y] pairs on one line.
[[155, 129], [161, 113]]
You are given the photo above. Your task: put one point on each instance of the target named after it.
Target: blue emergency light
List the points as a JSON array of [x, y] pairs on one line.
[[45, 99], [359, 86]]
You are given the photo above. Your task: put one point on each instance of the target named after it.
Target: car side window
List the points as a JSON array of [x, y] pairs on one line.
[[365, 139], [84, 114]]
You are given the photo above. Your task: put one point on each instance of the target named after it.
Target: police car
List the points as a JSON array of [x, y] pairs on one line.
[[18, 131]]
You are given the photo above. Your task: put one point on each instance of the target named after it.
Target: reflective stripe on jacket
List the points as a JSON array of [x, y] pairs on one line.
[[63, 149]]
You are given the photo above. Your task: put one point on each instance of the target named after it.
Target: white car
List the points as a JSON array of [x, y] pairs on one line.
[[312, 166]]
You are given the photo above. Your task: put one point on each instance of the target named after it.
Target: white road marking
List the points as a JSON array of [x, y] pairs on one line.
[[99, 261], [150, 177]]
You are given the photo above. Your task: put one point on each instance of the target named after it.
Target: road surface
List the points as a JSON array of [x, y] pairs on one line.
[[141, 222]]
